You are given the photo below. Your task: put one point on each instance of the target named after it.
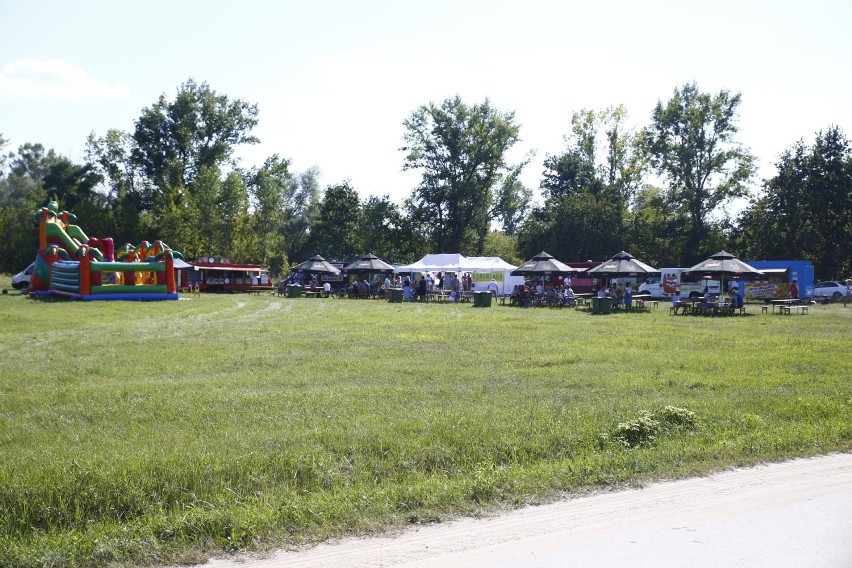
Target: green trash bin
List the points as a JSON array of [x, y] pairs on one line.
[[395, 296], [606, 305], [477, 299], [596, 305], [485, 299], [294, 291]]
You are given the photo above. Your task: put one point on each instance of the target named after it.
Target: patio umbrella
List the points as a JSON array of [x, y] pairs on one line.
[[369, 263], [723, 264], [543, 264], [620, 265], [316, 265]]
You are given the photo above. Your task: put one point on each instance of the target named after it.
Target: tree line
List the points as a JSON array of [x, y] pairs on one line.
[[661, 192]]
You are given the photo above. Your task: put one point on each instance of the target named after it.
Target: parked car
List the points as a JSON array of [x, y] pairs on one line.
[[21, 280], [829, 288]]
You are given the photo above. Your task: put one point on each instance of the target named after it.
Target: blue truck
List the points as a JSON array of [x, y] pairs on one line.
[[778, 278]]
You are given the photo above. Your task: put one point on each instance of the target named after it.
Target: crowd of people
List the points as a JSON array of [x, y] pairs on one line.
[[416, 289]]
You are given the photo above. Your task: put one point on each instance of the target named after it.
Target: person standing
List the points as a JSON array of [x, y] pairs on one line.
[[421, 289], [794, 290], [492, 287]]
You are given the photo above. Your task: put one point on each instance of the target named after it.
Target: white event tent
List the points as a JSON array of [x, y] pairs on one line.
[[486, 266], [439, 263]]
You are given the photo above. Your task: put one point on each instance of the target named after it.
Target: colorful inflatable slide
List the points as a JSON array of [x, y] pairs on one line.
[[71, 265]]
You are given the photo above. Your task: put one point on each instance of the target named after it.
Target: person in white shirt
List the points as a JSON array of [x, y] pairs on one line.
[[492, 287]]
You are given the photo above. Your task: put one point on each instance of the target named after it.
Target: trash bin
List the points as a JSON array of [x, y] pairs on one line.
[[596, 305], [395, 296], [485, 299], [294, 291], [606, 305], [477, 299]]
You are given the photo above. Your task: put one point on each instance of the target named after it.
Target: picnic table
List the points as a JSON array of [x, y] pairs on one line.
[[789, 306], [438, 295], [583, 298]]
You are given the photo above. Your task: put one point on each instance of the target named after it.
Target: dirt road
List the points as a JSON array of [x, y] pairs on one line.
[[791, 514]]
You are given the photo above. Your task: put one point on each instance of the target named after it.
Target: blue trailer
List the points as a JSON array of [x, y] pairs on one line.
[[778, 278]]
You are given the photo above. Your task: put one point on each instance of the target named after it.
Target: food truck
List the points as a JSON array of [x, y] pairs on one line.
[[777, 277], [208, 274], [664, 283]]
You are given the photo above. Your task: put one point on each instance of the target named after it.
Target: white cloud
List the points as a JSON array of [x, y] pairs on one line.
[[53, 79]]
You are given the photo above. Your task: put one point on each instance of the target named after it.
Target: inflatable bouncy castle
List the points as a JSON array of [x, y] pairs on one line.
[[69, 264]]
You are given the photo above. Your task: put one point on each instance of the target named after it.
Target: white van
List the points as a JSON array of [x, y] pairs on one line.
[[21, 280], [664, 283]]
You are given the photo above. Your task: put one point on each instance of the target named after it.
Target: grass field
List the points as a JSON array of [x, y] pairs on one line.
[[140, 433]]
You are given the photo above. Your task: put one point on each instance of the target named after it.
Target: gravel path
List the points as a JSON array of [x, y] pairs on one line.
[[790, 514]]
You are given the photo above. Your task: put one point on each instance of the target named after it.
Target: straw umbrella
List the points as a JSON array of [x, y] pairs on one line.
[[369, 263], [621, 265], [723, 264], [543, 264], [316, 265]]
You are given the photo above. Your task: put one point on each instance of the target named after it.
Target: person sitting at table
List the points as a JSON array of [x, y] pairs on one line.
[[676, 303], [313, 285], [736, 299], [354, 289], [603, 292]]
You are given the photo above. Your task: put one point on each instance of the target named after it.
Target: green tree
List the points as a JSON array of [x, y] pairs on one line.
[[806, 209], [301, 208], [691, 143], [175, 139], [337, 231], [505, 246], [176, 220], [74, 187], [127, 191], [588, 189], [3, 157], [21, 193], [269, 186], [512, 201], [381, 230], [207, 223], [573, 227], [657, 234], [461, 152], [32, 161], [235, 237]]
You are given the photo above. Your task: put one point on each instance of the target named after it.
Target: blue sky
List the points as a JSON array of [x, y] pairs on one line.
[[334, 80]]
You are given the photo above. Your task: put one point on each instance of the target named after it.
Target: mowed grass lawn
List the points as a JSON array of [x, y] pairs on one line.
[[141, 433]]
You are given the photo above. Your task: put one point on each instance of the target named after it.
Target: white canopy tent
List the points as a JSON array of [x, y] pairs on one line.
[[487, 267], [439, 263]]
